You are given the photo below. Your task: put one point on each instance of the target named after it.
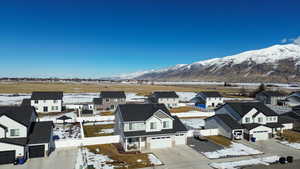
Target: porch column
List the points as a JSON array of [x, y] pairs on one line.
[[140, 139], [125, 144]]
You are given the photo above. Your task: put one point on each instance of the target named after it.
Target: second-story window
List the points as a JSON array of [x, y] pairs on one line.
[[107, 100], [247, 119], [55, 101], [14, 132], [165, 124], [36, 102], [130, 126], [260, 119], [152, 125]]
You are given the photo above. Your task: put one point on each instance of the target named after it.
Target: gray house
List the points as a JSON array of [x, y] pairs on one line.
[[111, 99], [247, 120], [148, 126], [22, 135], [270, 97], [169, 98]]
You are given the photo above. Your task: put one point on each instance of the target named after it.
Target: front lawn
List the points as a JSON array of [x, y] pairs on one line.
[[121, 160], [98, 130], [290, 136], [221, 140]]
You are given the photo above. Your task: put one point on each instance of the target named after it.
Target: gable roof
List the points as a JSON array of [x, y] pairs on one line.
[[15, 141], [140, 112], [52, 95], [112, 94], [40, 132], [228, 120], [26, 102], [21, 114], [165, 94], [211, 94], [242, 108], [272, 93]]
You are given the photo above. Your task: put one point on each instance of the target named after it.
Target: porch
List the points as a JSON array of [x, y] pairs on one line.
[[135, 144]]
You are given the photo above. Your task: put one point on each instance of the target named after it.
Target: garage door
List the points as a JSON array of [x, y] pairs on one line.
[[7, 157], [261, 135], [180, 139], [36, 151], [160, 142]]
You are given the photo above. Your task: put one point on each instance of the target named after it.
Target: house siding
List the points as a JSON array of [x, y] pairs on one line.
[[11, 124], [47, 103]]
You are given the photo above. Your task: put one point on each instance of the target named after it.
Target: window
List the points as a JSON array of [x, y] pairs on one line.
[[247, 119], [260, 119], [152, 125], [107, 100], [54, 107], [165, 124], [14, 132], [36, 102], [55, 101], [130, 126]]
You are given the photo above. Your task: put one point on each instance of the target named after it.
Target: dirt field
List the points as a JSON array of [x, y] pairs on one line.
[[28, 87]]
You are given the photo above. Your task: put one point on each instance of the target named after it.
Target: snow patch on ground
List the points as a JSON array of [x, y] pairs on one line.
[[133, 97], [107, 131], [98, 123], [186, 96], [237, 164], [154, 160], [54, 117], [13, 99], [193, 123], [69, 132], [293, 145], [235, 149]]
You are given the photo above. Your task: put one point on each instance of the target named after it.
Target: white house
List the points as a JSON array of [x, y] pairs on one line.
[[47, 102], [21, 136], [208, 100], [169, 98], [256, 120], [148, 126]]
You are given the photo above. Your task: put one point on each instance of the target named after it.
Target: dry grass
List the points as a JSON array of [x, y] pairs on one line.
[[221, 140], [121, 160], [28, 87], [107, 113], [94, 130], [290, 136], [183, 109]]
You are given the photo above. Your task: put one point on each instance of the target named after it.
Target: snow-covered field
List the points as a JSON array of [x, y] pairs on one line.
[[237, 164], [70, 131], [235, 149], [10, 99], [193, 123], [293, 145]]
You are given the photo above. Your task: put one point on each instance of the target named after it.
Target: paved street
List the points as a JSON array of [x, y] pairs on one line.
[[59, 159]]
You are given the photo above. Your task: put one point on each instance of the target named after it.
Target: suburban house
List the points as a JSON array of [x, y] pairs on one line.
[[111, 99], [47, 102], [22, 136], [293, 116], [148, 126], [169, 98], [271, 97], [208, 100], [247, 120], [97, 103]]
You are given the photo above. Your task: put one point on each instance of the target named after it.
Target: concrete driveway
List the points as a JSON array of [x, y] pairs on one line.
[[59, 159], [203, 146], [180, 157]]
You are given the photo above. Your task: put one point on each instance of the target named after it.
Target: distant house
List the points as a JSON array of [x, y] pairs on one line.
[[97, 103], [247, 120], [22, 136], [293, 99], [208, 100], [111, 99], [169, 98], [47, 102], [148, 126], [270, 97]]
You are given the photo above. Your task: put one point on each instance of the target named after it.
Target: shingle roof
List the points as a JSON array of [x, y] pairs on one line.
[[112, 94], [26, 102], [251, 126], [165, 94], [97, 100], [228, 120], [47, 95], [242, 108], [16, 141], [140, 112], [40, 132], [272, 93], [21, 114], [211, 94], [87, 112], [178, 127]]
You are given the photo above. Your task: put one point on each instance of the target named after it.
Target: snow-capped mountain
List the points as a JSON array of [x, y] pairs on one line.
[[276, 63]]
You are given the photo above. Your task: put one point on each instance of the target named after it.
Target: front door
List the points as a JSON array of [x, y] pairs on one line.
[[45, 109]]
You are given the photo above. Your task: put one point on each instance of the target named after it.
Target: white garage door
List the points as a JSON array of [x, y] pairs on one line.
[[160, 142], [180, 139], [261, 135]]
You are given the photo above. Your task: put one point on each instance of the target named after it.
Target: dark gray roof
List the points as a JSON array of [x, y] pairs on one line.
[[26, 102], [63, 117], [112, 94], [16, 141], [21, 114], [87, 112], [40, 132], [140, 112], [251, 126], [198, 100], [97, 100], [165, 94], [242, 108], [285, 119], [178, 127], [274, 125], [228, 120], [211, 94], [272, 93], [47, 95]]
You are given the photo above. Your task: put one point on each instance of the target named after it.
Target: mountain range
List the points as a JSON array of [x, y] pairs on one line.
[[278, 63]]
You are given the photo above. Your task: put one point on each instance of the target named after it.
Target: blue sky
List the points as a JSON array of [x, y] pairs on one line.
[[97, 38]]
